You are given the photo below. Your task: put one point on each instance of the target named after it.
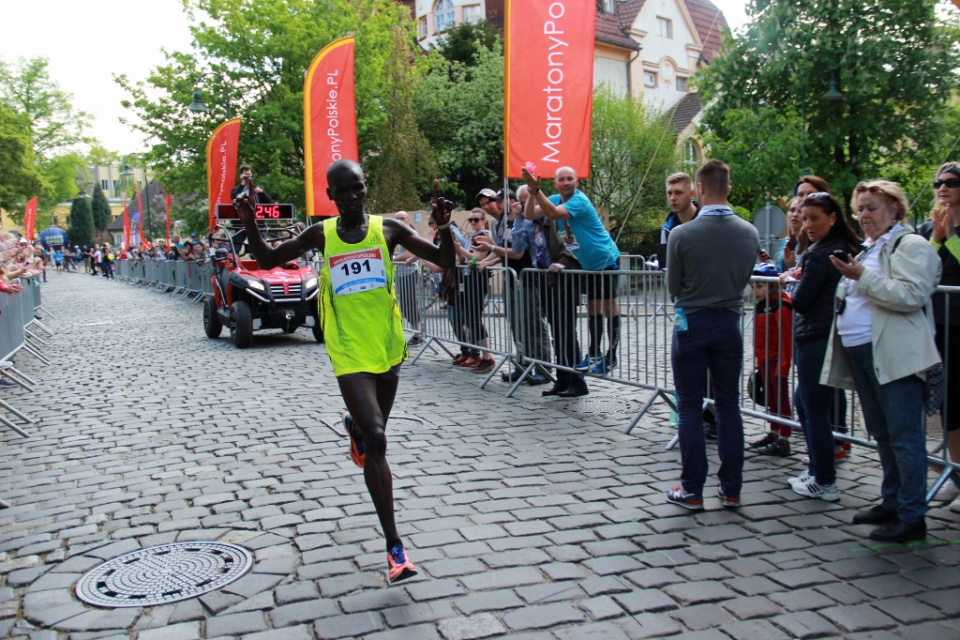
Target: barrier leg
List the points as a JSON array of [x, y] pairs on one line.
[[643, 410], [36, 354], [492, 373], [40, 324], [9, 424], [46, 312], [32, 336], [15, 412], [516, 385], [430, 341]]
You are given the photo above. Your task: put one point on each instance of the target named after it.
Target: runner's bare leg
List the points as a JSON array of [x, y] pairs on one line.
[[369, 401]]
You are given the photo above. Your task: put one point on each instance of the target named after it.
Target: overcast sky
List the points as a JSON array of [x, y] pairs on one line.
[[87, 43]]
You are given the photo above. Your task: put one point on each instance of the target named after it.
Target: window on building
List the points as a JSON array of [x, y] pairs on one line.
[[422, 28], [105, 185], [443, 15], [691, 155], [682, 84], [650, 79], [471, 13], [665, 26]]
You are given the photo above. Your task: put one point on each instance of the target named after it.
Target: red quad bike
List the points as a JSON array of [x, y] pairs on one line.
[[247, 298]]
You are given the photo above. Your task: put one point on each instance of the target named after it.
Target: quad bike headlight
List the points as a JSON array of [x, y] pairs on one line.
[[256, 284], [309, 283]]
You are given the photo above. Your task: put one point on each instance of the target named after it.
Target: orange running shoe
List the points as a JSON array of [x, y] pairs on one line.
[[357, 451], [400, 568]]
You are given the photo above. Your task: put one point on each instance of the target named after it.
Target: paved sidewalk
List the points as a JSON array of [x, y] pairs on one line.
[[527, 517]]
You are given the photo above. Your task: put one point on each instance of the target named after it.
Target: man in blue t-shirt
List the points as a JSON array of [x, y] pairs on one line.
[[579, 227]]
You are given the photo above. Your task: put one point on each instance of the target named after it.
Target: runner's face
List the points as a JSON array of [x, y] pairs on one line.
[[348, 191]]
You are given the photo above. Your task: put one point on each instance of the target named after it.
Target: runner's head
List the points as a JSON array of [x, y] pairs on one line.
[[346, 187]]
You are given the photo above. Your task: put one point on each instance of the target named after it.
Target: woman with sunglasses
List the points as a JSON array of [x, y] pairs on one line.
[[946, 312], [882, 343], [468, 310], [828, 230]]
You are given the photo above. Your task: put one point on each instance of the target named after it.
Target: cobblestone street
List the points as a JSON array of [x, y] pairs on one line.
[[527, 517]]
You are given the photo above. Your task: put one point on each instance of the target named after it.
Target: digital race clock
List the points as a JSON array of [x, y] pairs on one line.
[[277, 211]]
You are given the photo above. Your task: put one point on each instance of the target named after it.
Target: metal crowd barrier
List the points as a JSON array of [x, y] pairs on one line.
[[18, 320], [514, 311], [187, 280]]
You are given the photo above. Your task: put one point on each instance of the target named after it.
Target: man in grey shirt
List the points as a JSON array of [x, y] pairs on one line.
[[709, 262]]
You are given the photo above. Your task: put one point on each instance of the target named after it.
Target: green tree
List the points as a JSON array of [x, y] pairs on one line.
[[633, 149], [261, 52], [463, 42], [401, 161], [763, 164], [100, 210], [57, 126], [893, 60], [66, 175], [459, 108], [20, 179], [80, 230]]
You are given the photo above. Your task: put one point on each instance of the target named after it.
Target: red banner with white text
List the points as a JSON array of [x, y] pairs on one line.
[[222, 151], [30, 219], [126, 225], [329, 120], [548, 85], [167, 236], [144, 242]]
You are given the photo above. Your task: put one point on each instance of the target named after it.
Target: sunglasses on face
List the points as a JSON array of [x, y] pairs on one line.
[[475, 219], [952, 183], [861, 188]]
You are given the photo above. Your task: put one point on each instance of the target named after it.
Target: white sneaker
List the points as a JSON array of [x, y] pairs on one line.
[[810, 489], [800, 479], [948, 492], [955, 505]]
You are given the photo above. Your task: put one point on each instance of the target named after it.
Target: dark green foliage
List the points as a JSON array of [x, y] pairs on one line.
[[80, 230], [459, 109], [100, 209], [463, 42], [20, 179], [893, 60]]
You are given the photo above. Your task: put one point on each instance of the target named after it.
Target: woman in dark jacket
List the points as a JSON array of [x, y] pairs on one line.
[[828, 230]]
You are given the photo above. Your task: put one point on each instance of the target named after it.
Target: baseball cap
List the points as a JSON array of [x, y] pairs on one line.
[[766, 269], [489, 193], [510, 194]]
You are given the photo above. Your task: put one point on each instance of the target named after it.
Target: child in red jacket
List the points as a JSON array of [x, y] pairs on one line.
[[773, 350]]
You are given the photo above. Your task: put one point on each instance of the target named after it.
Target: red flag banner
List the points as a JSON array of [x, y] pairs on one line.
[[329, 120], [222, 164], [143, 241], [167, 200], [548, 85], [30, 219], [126, 225]]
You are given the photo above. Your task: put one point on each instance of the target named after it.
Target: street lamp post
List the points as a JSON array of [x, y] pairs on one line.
[[197, 105]]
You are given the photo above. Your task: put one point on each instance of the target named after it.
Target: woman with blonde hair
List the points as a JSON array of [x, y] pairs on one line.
[[882, 346]]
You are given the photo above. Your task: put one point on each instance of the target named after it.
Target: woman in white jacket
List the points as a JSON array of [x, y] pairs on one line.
[[882, 345]]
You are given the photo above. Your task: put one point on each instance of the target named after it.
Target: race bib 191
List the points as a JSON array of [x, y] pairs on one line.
[[357, 271]]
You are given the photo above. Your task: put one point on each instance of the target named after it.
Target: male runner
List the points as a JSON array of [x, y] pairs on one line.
[[361, 319]]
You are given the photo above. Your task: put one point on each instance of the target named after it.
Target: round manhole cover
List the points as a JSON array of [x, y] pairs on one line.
[[601, 405], [163, 574]]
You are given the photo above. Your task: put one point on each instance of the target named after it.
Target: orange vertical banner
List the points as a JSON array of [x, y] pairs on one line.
[[329, 120], [167, 202], [30, 219], [222, 148], [126, 224], [548, 84]]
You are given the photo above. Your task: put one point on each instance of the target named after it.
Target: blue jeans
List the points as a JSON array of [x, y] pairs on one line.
[[893, 413], [713, 343], [814, 402]]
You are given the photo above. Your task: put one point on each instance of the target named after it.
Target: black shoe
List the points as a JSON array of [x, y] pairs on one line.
[[901, 532], [710, 431], [536, 379], [555, 390], [513, 376], [875, 515], [574, 392]]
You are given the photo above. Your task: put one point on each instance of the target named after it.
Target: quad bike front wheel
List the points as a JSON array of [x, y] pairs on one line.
[[241, 324], [211, 321]]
